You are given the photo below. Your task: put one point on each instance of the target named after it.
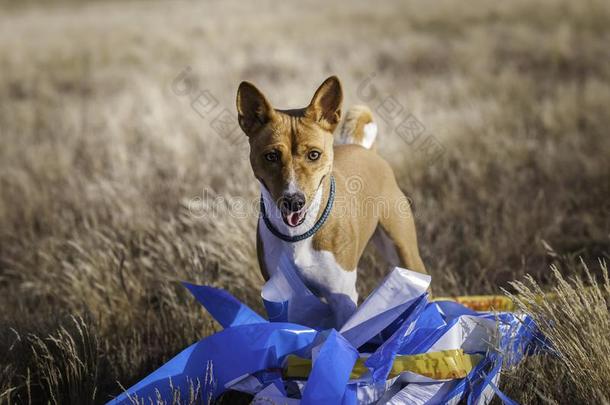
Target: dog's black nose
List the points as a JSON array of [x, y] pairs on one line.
[[293, 201]]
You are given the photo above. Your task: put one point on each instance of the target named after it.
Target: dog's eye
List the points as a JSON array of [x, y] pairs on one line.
[[272, 156], [313, 155]]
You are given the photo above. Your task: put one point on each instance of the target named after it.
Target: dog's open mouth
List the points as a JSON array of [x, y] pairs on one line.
[[294, 218]]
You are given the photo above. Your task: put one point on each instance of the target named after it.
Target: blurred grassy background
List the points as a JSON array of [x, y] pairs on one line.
[[101, 160]]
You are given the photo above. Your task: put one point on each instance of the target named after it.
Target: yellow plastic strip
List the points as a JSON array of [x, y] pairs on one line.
[[492, 302], [482, 302], [442, 365]]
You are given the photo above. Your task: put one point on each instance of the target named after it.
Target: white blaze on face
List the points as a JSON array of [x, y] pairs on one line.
[[292, 218], [292, 186]]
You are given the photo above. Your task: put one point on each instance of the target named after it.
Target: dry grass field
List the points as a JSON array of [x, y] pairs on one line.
[[118, 170]]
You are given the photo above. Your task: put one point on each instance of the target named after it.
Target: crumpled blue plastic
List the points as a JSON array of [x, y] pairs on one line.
[[226, 309], [331, 370], [380, 362], [252, 346]]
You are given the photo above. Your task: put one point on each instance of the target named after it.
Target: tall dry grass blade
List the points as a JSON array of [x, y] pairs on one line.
[[576, 323]]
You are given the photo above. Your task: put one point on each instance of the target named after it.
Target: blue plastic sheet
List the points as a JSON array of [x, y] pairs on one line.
[[396, 319], [226, 309], [226, 355], [331, 369]]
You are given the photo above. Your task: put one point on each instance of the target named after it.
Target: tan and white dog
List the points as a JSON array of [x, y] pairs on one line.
[[322, 201]]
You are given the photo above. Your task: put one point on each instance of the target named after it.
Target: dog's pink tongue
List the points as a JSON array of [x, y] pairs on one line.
[[293, 219]]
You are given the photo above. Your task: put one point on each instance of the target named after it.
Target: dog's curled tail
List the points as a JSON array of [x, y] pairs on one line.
[[358, 127]]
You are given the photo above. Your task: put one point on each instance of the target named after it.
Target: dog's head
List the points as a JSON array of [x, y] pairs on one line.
[[291, 151]]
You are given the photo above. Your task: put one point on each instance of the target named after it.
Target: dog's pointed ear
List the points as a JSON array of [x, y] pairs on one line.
[[325, 106], [253, 109]]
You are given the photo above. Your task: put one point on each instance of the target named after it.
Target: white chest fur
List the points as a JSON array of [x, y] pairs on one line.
[[319, 270]]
